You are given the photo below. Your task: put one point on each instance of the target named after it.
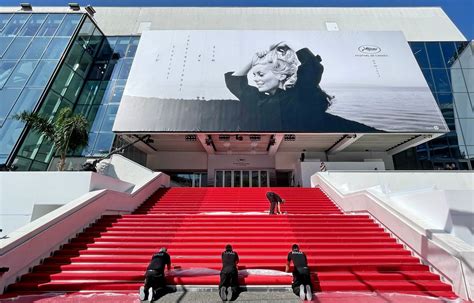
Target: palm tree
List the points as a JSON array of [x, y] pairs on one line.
[[66, 131]]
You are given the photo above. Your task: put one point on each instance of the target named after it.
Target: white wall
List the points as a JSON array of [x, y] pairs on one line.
[[20, 191], [417, 23], [431, 212], [309, 168], [188, 161]]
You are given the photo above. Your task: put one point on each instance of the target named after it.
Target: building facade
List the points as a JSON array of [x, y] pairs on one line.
[[56, 57]]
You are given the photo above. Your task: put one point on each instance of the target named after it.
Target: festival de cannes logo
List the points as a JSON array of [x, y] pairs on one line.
[[369, 49]]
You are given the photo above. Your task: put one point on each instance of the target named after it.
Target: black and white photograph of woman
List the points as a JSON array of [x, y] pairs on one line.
[[286, 94]]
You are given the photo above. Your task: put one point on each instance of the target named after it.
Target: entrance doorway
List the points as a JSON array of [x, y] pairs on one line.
[[242, 178]]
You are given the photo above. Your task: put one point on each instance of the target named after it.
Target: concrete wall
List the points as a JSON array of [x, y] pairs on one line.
[[417, 23], [189, 161], [309, 168], [21, 191]]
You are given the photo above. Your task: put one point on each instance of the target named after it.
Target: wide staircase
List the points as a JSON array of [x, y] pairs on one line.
[[345, 252]]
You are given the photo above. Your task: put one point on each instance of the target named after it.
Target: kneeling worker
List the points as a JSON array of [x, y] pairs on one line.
[[229, 282], [301, 273], [155, 274]]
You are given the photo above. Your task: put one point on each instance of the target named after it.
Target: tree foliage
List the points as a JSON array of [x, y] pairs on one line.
[[66, 131]]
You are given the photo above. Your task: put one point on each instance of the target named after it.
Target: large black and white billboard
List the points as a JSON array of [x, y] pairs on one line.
[[258, 81]]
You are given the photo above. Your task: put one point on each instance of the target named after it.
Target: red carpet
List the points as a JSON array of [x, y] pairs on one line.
[[345, 252]]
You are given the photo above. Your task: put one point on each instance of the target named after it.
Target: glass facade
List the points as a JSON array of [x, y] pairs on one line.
[[34, 153], [448, 79], [103, 91], [31, 46]]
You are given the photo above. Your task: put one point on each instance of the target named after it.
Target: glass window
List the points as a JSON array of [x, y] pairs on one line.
[[466, 126], [104, 143], [45, 152], [117, 94], [97, 71], [245, 178], [255, 179], [88, 92], [8, 98], [36, 48], [219, 177], [63, 80], [74, 88], [469, 77], [109, 118], [17, 48], [38, 166], [69, 25], [4, 18], [22, 72], [42, 73], [50, 104], [132, 48], [457, 80], [125, 70], [228, 178], [449, 53], [90, 146], [22, 163], [84, 64], [51, 25], [467, 59], [74, 54], [56, 48], [441, 80], [85, 32], [445, 98], [464, 107], [33, 24], [94, 42], [27, 100], [237, 179], [434, 55], [263, 178], [6, 68], [121, 46], [98, 118], [15, 24], [106, 51], [4, 44], [419, 51]]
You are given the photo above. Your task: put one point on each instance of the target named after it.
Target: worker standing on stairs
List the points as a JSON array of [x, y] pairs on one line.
[[155, 274], [301, 275], [229, 282]]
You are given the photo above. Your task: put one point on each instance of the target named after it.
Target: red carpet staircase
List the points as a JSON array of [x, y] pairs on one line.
[[345, 252]]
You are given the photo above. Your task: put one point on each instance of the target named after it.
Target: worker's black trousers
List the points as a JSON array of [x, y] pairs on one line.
[[229, 278], [301, 276]]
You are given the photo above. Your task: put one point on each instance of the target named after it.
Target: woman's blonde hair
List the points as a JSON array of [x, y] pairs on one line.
[[284, 62]]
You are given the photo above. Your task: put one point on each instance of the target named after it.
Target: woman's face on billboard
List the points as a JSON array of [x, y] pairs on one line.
[[265, 79]]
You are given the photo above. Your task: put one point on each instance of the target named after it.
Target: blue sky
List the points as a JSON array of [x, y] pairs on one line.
[[460, 11]]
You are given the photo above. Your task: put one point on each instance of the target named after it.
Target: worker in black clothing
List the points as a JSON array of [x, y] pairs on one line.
[[274, 200], [301, 274], [229, 282], [155, 274]]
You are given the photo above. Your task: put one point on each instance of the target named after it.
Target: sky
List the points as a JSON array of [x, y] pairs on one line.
[[461, 12]]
